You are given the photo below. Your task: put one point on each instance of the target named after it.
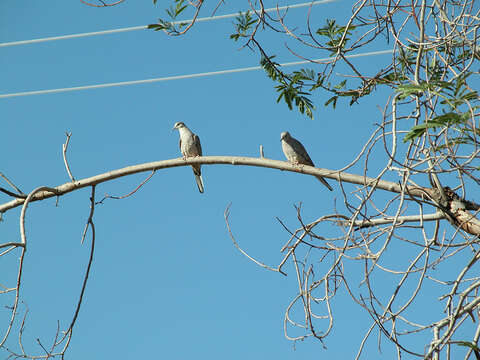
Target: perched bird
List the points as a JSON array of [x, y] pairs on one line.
[[296, 154], [190, 147]]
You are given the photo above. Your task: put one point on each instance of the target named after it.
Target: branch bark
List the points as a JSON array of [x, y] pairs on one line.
[[211, 160]]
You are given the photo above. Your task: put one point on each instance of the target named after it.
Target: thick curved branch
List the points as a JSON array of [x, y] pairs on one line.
[[211, 160]]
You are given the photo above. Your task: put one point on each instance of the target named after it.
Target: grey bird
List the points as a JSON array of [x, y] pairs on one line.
[[190, 147], [295, 153]]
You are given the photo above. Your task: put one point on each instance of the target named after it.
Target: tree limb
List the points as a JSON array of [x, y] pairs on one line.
[[226, 160]]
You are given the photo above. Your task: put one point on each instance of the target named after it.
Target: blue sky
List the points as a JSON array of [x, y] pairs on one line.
[[166, 280]]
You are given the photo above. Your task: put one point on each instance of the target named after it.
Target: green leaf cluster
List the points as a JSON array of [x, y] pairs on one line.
[[243, 23], [440, 121], [162, 25], [295, 88], [333, 34], [290, 86], [453, 95], [173, 12]]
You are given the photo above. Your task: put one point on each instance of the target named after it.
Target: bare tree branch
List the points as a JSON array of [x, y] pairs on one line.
[[225, 160]]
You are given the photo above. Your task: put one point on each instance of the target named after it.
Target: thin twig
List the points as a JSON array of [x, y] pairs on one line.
[[130, 193], [64, 151], [226, 214], [69, 332], [11, 184]]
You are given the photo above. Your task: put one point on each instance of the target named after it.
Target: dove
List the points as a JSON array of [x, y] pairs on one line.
[[295, 153], [190, 147]]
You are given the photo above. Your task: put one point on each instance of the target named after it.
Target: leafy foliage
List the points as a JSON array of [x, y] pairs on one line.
[[336, 36], [244, 22], [290, 86], [441, 121], [173, 12], [453, 94], [296, 88]]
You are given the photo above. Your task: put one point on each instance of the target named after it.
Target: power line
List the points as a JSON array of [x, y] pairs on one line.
[[143, 27], [178, 77]]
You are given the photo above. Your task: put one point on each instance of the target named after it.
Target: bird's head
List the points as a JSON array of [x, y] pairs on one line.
[[284, 135], [178, 125]]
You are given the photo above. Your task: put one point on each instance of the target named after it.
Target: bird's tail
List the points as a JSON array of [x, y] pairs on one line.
[[324, 182], [198, 177], [199, 180]]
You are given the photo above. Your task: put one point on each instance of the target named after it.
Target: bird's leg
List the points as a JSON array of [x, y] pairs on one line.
[[298, 165]]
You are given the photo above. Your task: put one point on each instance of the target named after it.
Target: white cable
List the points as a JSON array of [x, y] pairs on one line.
[[143, 27], [178, 77]]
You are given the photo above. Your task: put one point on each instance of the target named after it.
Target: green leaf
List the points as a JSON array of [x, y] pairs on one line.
[[155, 26], [171, 12], [438, 121], [270, 67], [333, 101], [341, 85], [473, 95], [179, 10], [243, 23], [448, 118], [407, 90], [334, 35], [415, 132]]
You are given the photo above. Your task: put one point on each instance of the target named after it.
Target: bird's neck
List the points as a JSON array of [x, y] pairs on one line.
[[185, 131]]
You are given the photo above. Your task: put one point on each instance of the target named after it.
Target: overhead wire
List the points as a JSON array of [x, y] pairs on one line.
[[168, 78], [179, 77], [143, 27]]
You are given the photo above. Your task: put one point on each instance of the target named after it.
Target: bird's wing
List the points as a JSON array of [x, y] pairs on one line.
[[198, 146], [300, 149]]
